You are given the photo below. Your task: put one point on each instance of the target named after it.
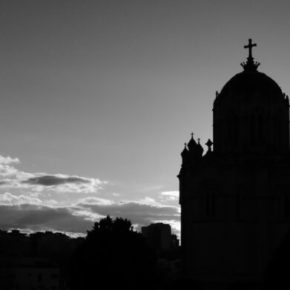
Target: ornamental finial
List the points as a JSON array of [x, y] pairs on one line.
[[250, 64], [209, 144]]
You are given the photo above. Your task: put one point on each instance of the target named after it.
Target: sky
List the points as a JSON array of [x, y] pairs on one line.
[[97, 98]]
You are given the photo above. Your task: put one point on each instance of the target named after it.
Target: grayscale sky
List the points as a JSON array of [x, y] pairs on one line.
[[97, 98]]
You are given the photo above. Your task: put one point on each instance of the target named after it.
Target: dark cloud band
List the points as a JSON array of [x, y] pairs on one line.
[[79, 218], [50, 180], [38, 218]]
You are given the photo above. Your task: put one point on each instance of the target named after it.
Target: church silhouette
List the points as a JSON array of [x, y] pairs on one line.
[[235, 199]]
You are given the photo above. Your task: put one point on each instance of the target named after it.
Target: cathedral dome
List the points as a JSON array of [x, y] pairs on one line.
[[250, 86], [251, 113]]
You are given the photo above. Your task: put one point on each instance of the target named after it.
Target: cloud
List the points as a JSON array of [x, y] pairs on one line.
[[137, 212], [150, 201], [63, 183], [8, 198], [30, 213], [39, 218], [169, 195], [13, 178], [29, 202], [49, 180], [140, 212], [92, 200], [8, 160], [7, 168], [172, 193]]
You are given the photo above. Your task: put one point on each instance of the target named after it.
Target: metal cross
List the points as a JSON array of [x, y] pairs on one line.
[[250, 46]]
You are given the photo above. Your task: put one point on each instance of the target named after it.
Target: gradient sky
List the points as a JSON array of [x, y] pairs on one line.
[[98, 97]]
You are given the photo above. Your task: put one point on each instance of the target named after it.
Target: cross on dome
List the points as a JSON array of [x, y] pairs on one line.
[[250, 64], [250, 47]]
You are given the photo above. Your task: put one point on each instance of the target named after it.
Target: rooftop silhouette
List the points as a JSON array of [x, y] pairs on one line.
[[235, 198]]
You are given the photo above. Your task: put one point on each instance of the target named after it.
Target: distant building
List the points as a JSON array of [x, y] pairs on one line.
[[159, 237]]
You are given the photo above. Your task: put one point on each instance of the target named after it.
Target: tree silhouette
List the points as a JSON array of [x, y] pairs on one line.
[[112, 255]]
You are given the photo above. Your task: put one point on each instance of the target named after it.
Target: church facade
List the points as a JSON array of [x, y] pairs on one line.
[[235, 198]]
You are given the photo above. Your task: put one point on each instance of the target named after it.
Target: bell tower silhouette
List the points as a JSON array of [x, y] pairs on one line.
[[235, 198]]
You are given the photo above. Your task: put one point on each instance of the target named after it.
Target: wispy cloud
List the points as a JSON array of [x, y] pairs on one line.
[[8, 160], [169, 195], [93, 200], [8, 198]]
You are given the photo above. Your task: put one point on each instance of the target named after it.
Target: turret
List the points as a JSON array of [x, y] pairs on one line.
[[192, 152], [184, 154]]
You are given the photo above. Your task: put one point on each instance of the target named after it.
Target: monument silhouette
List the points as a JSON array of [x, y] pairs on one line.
[[235, 198]]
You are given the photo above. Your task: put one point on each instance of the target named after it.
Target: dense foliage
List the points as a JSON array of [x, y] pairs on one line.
[[112, 255]]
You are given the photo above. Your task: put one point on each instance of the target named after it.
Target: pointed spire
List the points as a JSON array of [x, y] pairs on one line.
[[192, 143], [250, 64], [184, 151], [194, 149], [184, 155]]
